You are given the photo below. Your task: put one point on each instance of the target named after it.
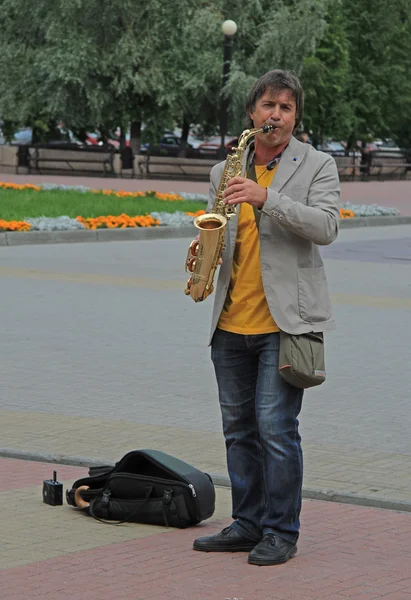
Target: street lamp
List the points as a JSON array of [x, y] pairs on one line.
[[229, 29]]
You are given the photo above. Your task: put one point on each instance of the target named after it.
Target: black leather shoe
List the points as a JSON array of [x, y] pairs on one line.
[[272, 550], [228, 540]]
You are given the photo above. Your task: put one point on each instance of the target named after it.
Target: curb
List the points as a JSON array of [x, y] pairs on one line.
[[376, 221], [219, 481], [20, 238]]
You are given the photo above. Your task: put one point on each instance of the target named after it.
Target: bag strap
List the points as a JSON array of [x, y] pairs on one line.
[[105, 501]]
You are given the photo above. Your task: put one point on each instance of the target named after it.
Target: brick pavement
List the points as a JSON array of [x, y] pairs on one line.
[[345, 552], [97, 358]]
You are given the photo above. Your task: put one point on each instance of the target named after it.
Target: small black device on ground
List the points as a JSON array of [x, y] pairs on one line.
[[53, 491]]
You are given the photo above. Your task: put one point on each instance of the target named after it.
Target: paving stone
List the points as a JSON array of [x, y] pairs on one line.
[[47, 551]]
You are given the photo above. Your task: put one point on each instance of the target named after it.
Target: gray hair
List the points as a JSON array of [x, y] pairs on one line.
[[277, 81]]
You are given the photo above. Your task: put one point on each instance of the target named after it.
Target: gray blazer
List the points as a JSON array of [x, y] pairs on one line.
[[301, 213]]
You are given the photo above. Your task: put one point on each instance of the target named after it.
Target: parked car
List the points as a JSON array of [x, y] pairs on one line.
[[333, 147], [211, 147], [337, 148], [94, 139], [169, 145], [387, 145], [24, 137], [194, 142]]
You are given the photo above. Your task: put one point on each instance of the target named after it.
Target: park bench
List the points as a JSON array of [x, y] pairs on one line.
[[348, 166], [174, 167], [86, 159], [382, 164]]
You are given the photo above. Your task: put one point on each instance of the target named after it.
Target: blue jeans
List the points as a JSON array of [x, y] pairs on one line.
[[259, 412]]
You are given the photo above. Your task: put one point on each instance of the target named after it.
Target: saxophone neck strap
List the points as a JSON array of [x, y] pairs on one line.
[[250, 168], [251, 174]]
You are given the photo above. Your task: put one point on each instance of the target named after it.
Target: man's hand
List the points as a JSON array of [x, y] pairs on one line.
[[240, 190]]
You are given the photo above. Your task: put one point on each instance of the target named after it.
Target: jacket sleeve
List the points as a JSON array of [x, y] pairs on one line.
[[317, 220], [215, 175]]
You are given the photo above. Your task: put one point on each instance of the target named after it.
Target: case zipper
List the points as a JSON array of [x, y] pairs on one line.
[[157, 480]]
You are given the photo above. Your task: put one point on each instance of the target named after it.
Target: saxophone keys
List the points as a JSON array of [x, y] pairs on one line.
[[187, 290], [191, 265], [194, 247]]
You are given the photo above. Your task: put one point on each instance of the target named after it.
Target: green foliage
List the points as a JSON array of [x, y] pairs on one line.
[[380, 59], [96, 64], [271, 35], [100, 65], [324, 78], [17, 205]]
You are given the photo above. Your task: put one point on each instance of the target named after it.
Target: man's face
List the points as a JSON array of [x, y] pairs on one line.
[[277, 109]]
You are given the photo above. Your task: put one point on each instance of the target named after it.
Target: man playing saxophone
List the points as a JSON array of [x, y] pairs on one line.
[[271, 278]]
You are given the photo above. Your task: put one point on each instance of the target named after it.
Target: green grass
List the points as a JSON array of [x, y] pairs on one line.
[[15, 205]]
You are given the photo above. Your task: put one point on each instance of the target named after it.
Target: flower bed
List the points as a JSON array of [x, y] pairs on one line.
[[14, 226], [123, 221], [151, 218], [99, 208]]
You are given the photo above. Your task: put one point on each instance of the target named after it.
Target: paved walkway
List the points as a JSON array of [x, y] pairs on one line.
[[395, 194], [102, 353], [53, 552]]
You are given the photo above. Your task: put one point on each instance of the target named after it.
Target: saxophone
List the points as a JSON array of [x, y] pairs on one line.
[[204, 253]]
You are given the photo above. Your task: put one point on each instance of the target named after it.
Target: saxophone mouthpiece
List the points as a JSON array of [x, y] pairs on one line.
[[267, 128]]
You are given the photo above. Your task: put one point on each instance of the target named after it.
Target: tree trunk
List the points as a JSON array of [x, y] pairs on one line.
[[321, 137], [122, 138], [315, 138], [135, 131], [351, 144], [184, 135]]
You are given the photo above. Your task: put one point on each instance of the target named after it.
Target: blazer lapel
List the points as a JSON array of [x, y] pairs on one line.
[[290, 161]]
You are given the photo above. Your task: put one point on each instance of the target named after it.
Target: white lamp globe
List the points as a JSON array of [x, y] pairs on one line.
[[229, 27]]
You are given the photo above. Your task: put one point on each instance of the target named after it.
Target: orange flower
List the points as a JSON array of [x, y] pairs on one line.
[[172, 197], [122, 221], [118, 193], [196, 214], [346, 214], [15, 186], [14, 226]]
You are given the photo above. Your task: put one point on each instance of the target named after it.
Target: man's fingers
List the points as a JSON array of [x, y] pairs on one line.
[[233, 189], [237, 200], [235, 180]]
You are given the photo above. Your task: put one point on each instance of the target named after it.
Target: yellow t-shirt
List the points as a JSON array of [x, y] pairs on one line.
[[245, 309]]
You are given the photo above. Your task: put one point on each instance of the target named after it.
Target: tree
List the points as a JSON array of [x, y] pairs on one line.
[[324, 78], [379, 80], [103, 65], [398, 108], [105, 69], [271, 35]]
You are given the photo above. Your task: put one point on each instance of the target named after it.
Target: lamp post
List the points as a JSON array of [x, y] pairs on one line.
[[229, 29]]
